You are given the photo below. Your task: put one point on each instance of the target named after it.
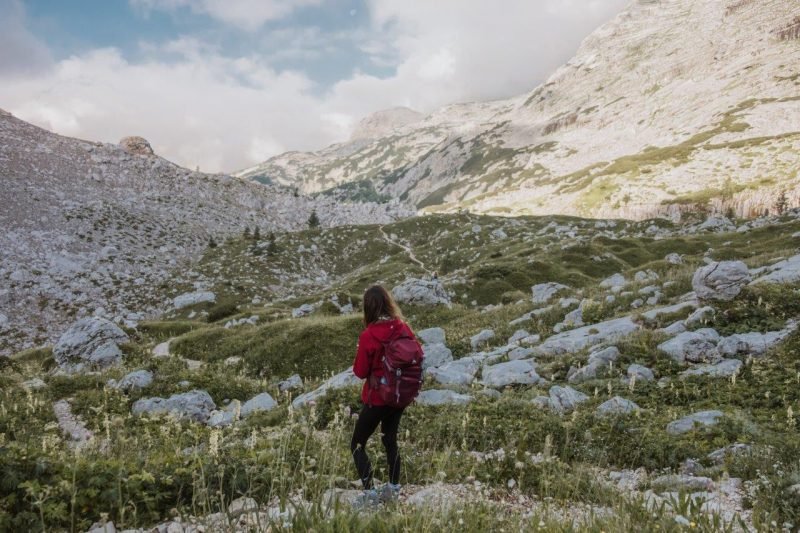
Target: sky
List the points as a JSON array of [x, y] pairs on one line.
[[225, 84]]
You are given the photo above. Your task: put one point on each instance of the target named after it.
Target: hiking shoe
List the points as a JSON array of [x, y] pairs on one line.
[[389, 493], [367, 500]]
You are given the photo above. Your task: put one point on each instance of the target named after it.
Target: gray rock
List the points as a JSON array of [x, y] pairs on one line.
[[681, 482], [599, 362], [435, 355], [616, 406], [786, 271], [225, 417], [674, 329], [240, 506], [520, 353], [293, 382], [260, 402], [617, 280], [640, 373], [720, 455], [692, 346], [751, 344], [717, 224], [674, 259], [303, 310], [138, 379], [720, 280], [193, 298], [544, 292], [442, 397], [510, 373], [339, 381], [644, 276], [90, 342], [578, 339], [481, 338], [542, 402], [668, 310], [34, 384], [194, 405], [432, 336], [421, 292], [565, 399], [723, 369], [700, 418], [450, 375], [161, 350], [700, 316], [518, 336]]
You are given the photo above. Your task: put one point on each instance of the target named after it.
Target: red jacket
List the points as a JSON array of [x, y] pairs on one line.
[[370, 351]]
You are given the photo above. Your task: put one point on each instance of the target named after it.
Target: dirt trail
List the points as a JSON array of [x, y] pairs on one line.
[[407, 249]]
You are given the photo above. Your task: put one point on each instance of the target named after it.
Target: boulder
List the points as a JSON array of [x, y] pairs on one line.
[[692, 346], [291, 383], [451, 375], [700, 418], [421, 292], [520, 353], [617, 281], [723, 369], [481, 338], [674, 259], [578, 339], [260, 402], [669, 309], [518, 336], [193, 298], [431, 336], [544, 292], [722, 280], [640, 373], [616, 406], [717, 224], [681, 482], [599, 362], [303, 310], [565, 399], [34, 384], [136, 146], [339, 381], [510, 373], [435, 355], [90, 342], [225, 417], [700, 316], [195, 405], [786, 271], [751, 344], [720, 455], [442, 397], [138, 379]]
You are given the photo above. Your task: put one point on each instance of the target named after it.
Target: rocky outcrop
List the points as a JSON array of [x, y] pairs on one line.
[[544, 292], [89, 343], [193, 298], [421, 292], [136, 146], [616, 406], [698, 419], [578, 339], [693, 347], [339, 381], [442, 397], [510, 373]]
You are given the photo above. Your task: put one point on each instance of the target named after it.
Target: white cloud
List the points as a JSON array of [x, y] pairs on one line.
[[198, 106], [20, 52], [244, 14]]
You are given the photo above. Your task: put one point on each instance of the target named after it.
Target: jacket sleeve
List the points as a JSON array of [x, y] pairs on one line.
[[361, 366]]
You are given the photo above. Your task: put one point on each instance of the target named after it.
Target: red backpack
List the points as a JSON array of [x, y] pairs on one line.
[[402, 371]]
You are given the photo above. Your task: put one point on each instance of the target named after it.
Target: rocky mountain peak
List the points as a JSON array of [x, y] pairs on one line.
[[382, 123]]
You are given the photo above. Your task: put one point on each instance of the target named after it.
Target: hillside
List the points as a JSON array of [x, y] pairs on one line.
[[96, 228], [583, 375], [672, 106]]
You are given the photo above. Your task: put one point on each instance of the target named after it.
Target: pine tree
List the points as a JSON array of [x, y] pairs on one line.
[[781, 204], [247, 232], [272, 246], [257, 234], [313, 220], [211, 242]]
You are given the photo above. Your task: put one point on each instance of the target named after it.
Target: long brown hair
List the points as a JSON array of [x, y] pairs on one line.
[[379, 303]]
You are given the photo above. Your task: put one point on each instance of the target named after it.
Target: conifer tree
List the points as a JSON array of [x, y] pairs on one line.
[[313, 220]]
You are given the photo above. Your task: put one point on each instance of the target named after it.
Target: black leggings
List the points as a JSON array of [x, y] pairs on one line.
[[368, 420]]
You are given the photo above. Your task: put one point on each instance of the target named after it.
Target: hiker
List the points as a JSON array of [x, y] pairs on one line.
[[387, 342]]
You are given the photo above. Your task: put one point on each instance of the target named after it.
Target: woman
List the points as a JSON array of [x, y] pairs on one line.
[[383, 321]]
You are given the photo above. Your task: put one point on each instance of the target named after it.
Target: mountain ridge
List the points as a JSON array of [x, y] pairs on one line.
[[668, 105]]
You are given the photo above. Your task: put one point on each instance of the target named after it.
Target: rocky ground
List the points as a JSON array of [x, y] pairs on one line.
[[581, 374], [89, 228]]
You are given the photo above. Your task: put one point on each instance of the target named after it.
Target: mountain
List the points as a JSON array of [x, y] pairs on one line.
[[671, 106], [98, 228]]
